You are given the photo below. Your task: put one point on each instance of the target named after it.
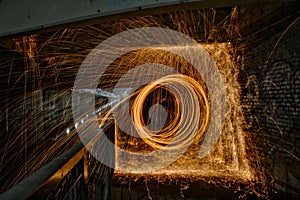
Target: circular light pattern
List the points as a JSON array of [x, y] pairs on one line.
[[194, 116], [191, 113]]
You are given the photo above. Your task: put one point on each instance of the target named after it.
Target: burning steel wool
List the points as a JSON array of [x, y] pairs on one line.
[[172, 111], [228, 160]]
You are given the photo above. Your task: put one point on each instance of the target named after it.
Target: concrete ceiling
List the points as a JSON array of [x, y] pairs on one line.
[[30, 15]]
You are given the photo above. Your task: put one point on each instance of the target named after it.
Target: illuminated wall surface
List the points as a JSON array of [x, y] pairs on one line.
[[255, 49]]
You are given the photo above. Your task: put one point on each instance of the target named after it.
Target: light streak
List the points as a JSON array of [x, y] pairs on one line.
[[180, 131], [61, 55]]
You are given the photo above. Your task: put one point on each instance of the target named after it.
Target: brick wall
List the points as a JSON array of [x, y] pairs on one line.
[[270, 80]]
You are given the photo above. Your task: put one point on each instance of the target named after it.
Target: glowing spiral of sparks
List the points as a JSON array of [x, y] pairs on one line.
[[192, 113]]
